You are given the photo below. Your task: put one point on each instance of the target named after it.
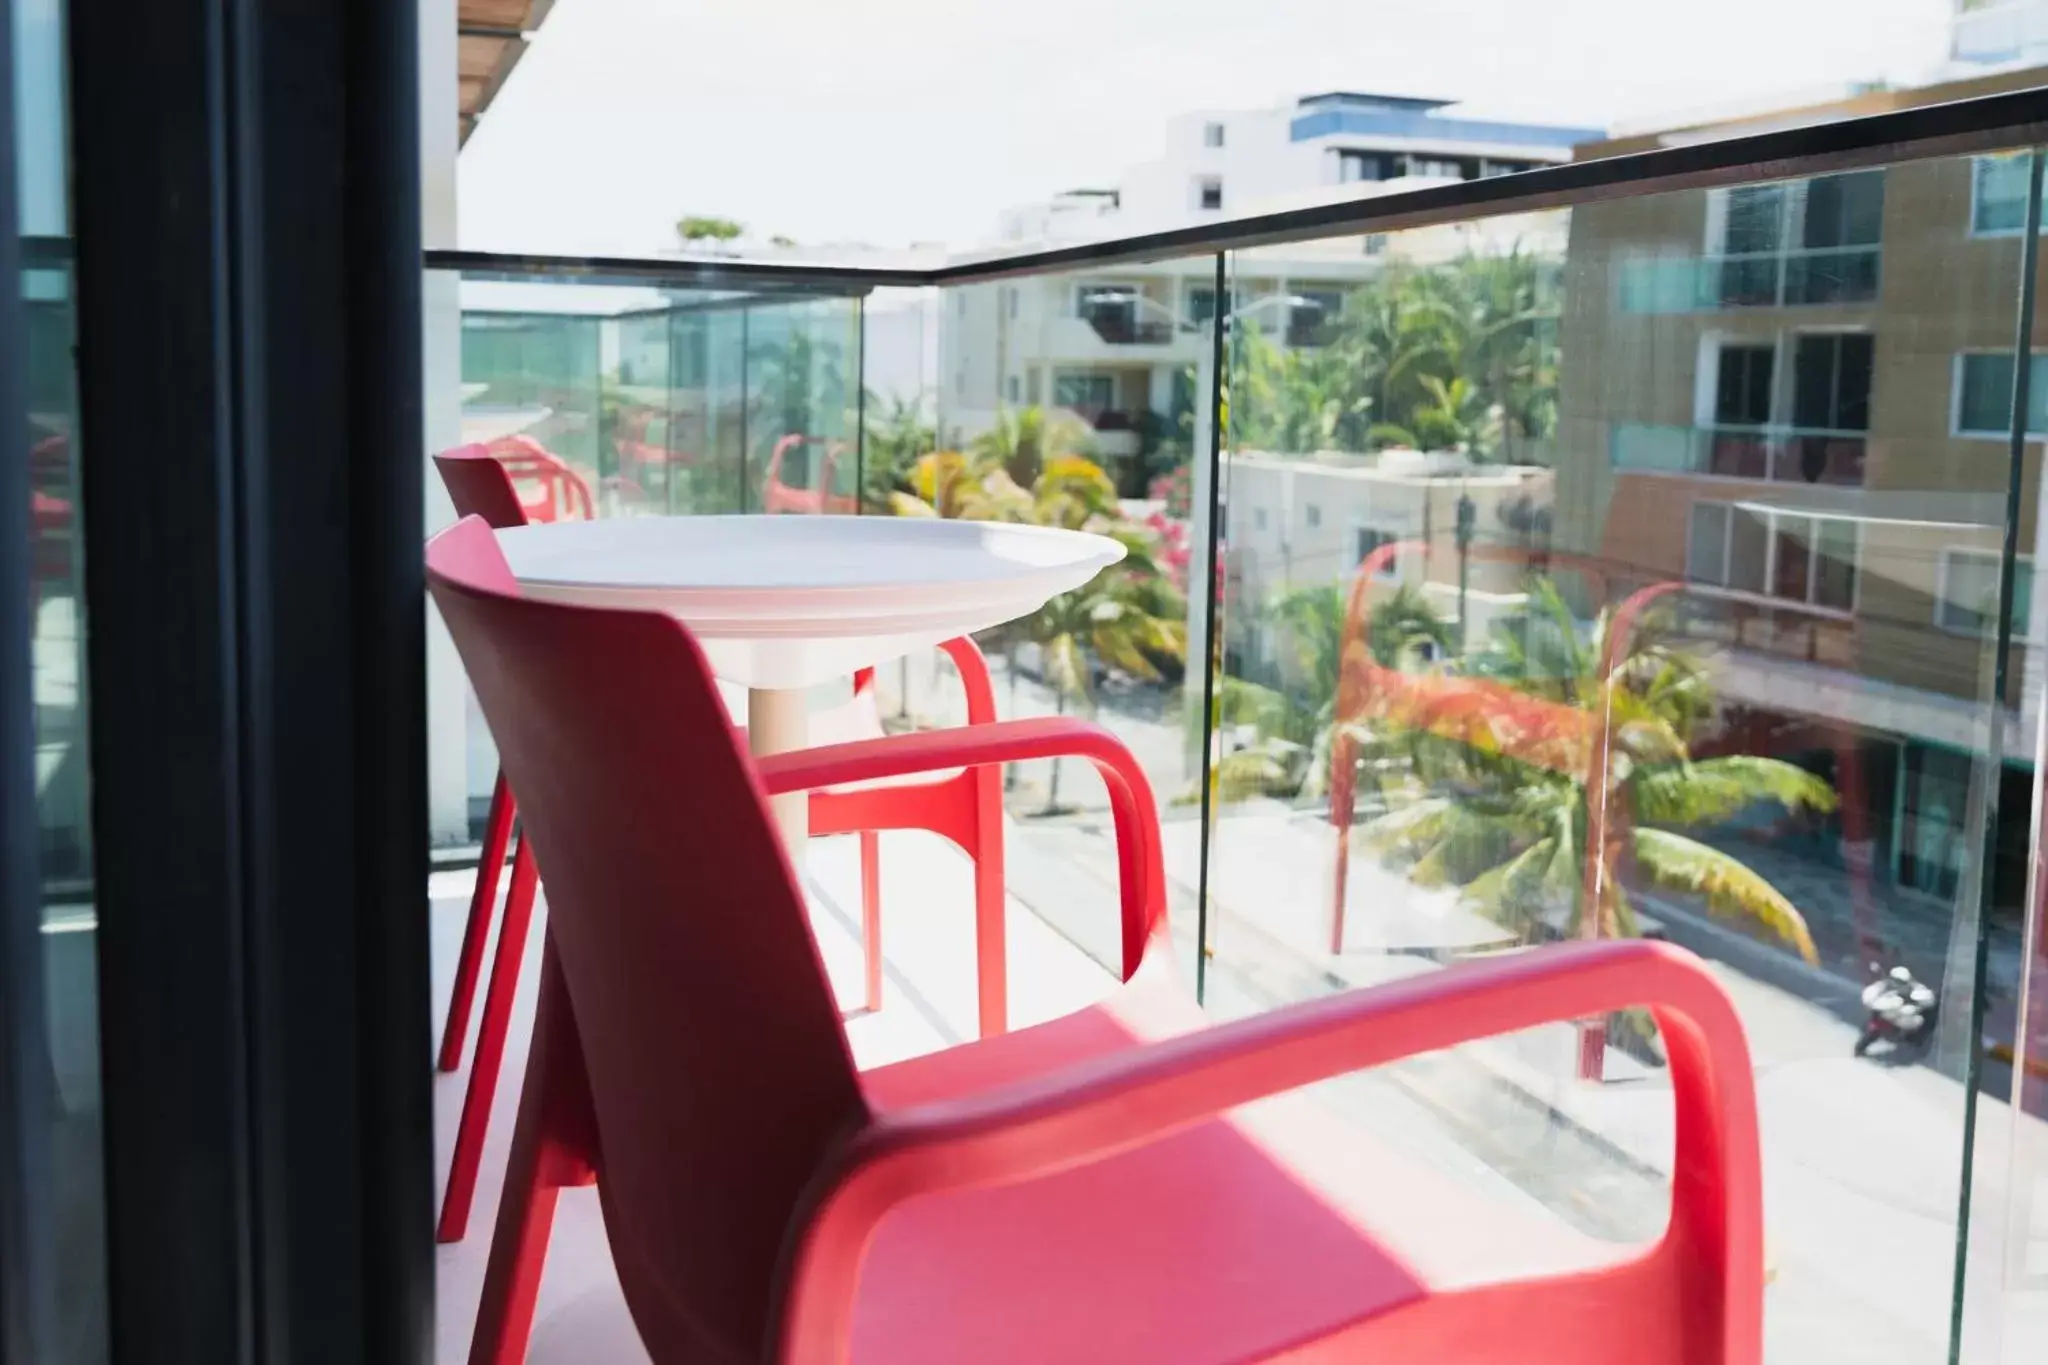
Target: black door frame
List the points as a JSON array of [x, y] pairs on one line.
[[27, 1289], [246, 189]]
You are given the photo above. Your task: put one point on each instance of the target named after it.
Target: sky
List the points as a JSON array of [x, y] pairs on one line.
[[894, 122]]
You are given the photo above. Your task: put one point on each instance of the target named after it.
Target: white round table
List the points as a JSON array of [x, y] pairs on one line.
[[782, 604]]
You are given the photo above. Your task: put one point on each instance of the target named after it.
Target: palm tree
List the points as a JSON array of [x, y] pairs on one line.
[[1509, 342], [1022, 439], [1296, 725], [1510, 826], [1128, 617]]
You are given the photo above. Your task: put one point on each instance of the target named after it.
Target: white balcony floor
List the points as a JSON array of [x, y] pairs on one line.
[[928, 1003]]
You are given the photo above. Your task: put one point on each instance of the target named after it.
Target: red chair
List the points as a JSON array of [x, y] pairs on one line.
[[547, 486], [778, 497], [1060, 1193], [965, 807]]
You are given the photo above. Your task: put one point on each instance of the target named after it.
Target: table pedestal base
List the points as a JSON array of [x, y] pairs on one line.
[[777, 722]]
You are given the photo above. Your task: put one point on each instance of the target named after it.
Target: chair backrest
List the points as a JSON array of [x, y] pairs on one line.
[[480, 486], [717, 1070]]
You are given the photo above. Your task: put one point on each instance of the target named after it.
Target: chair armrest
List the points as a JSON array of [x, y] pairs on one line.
[[1141, 875], [1109, 1105], [972, 667]]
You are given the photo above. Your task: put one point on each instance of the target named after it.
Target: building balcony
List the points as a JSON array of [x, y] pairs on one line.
[[1769, 454], [1804, 277]]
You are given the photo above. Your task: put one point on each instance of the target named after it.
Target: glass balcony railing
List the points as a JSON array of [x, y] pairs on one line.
[[1781, 454], [1422, 666], [1767, 279]]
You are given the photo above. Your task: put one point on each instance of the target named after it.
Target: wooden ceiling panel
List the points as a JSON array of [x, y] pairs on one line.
[[488, 45], [507, 16], [481, 65]]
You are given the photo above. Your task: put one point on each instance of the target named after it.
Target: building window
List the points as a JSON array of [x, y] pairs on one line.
[[1490, 167], [1983, 402], [1831, 381], [1212, 135], [1258, 518], [1090, 393], [1200, 303], [1010, 301], [1843, 211], [1016, 388], [1755, 220], [1313, 316], [1312, 515], [1439, 166], [1998, 194], [1365, 540], [1800, 242], [1110, 309], [1209, 192], [1375, 243], [1353, 166], [1784, 555], [1967, 599], [1742, 386]]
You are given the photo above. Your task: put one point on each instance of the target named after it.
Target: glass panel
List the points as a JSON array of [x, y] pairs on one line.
[[1999, 201], [1071, 399], [627, 400], [62, 732], [1523, 472]]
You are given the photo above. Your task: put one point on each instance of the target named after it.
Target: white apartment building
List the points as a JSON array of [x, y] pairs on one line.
[[1119, 347]]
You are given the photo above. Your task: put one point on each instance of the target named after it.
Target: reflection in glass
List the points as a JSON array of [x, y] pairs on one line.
[[1575, 589]]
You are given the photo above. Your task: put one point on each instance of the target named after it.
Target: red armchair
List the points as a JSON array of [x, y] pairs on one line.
[[1070, 1191], [965, 806], [547, 486]]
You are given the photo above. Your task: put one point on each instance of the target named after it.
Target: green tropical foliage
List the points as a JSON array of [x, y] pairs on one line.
[[1461, 356], [1296, 721], [694, 228], [1022, 439], [1130, 617], [898, 436], [1512, 833]]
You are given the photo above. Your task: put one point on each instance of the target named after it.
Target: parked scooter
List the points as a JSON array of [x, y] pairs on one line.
[[1902, 1012]]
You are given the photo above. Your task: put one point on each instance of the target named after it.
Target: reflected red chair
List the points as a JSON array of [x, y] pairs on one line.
[[965, 807], [1064, 1192], [779, 498], [547, 486]]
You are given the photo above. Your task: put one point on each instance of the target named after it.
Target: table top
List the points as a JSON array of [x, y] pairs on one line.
[[792, 601]]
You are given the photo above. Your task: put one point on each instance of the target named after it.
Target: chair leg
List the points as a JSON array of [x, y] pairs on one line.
[[497, 833], [991, 934], [871, 914], [539, 1166], [490, 1050], [519, 1249]]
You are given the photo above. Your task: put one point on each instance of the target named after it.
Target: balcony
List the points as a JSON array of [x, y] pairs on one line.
[[1803, 277], [1769, 454], [1779, 747], [1471, 707]]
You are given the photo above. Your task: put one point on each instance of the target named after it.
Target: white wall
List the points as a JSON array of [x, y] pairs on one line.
[[441, 319]]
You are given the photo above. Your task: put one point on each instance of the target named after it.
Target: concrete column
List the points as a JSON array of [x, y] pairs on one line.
[[441, 318]]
